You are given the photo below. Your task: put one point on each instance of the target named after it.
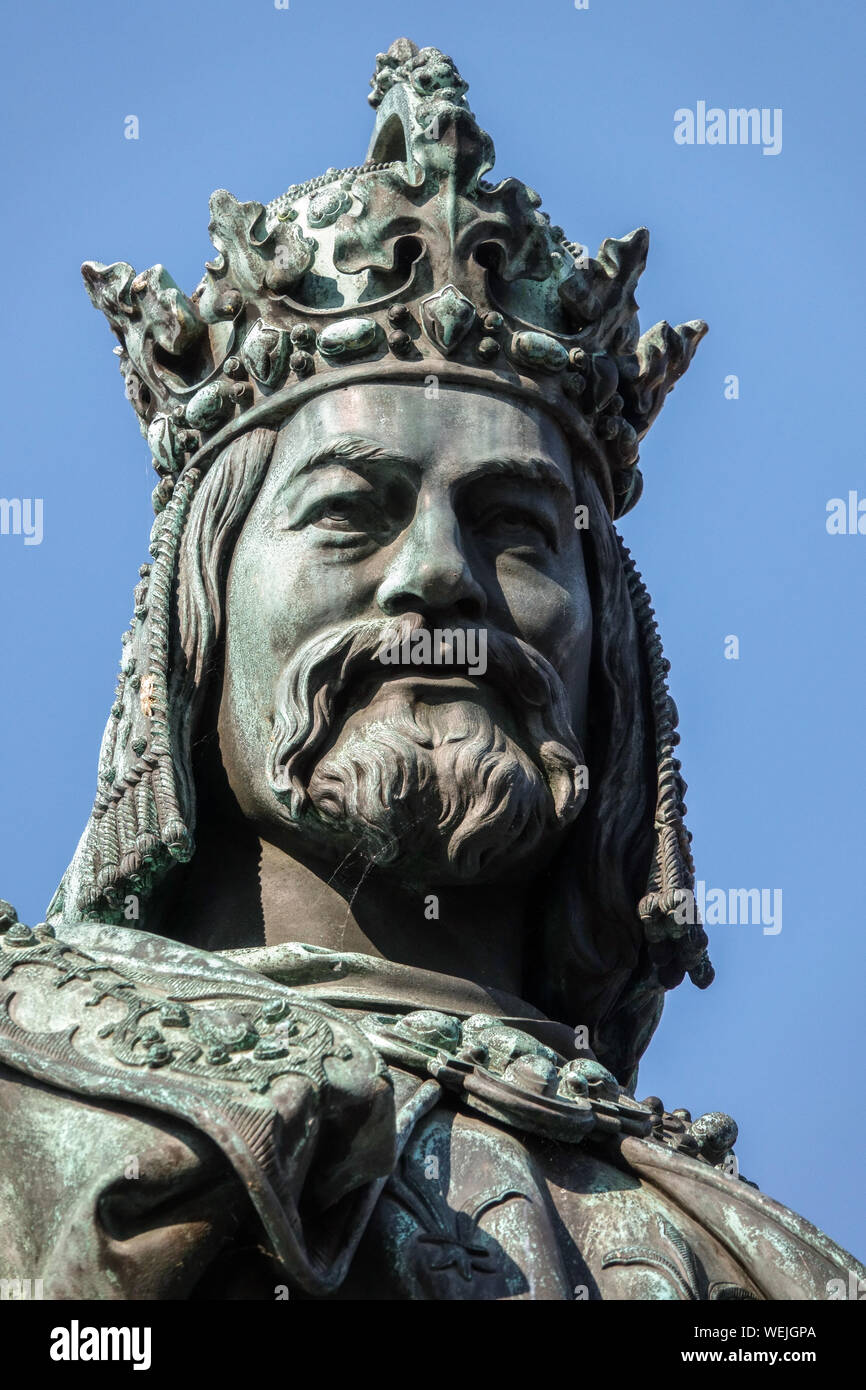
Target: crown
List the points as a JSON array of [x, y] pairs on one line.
[[406, 267]]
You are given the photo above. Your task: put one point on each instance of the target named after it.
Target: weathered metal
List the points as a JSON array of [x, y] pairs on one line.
[[344, 992]]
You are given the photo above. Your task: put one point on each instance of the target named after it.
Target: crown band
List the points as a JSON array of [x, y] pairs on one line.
[[277, 409]]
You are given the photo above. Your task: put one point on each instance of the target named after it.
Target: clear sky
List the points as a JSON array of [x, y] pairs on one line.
[[731, 533]]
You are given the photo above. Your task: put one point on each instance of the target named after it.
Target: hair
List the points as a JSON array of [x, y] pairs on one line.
[[220, 508], [591, 946]]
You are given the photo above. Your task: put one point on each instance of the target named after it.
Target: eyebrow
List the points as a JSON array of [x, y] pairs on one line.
[[357, 451], [354, 451], [525, 470]]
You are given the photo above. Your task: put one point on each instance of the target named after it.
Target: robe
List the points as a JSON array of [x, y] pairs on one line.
[[293, 1122]]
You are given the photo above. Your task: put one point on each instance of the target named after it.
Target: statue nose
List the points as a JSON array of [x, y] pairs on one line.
[[430, 572]]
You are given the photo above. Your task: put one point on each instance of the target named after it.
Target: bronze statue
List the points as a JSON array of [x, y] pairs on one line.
[[344, 992]]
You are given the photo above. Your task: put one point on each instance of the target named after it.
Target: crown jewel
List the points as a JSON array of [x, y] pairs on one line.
[[407, 266]]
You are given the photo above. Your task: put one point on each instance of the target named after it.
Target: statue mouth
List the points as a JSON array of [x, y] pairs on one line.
[[404, 686], [433, 677]]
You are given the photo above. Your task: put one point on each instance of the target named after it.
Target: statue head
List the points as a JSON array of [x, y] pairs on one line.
[[408, 630], [394, 426]]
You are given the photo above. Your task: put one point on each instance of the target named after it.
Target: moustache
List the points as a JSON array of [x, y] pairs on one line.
[[324, 672]]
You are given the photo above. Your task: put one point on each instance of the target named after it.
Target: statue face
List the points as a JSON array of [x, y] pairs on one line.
[[385, 513]]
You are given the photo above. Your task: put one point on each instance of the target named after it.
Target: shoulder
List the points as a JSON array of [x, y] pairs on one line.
[[785, 1256], [290, 1092]]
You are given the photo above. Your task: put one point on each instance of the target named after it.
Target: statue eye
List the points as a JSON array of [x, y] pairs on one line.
[[343, 514], [515, 525], [336, 521], [513, 516], [348, 519]]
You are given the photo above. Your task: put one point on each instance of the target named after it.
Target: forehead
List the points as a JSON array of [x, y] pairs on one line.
[[451, 427]]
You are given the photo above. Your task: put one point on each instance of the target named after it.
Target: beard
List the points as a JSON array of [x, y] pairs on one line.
[[441, 788]]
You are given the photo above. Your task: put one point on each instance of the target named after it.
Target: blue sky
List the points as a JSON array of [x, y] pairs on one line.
[[730, 535]]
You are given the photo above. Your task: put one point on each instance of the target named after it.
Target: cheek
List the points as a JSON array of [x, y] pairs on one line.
[[554, 615], [264, 609], [551, 611], [283, 590]]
